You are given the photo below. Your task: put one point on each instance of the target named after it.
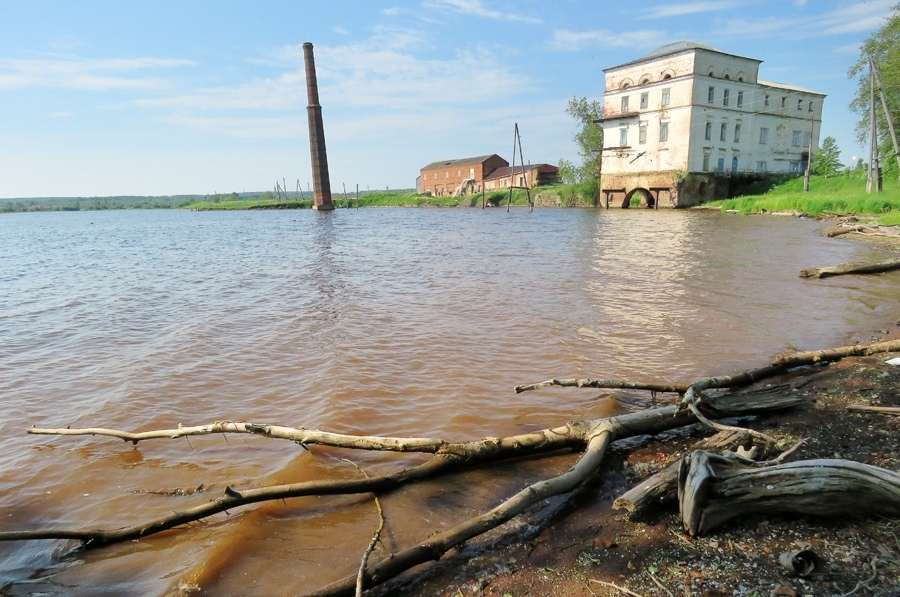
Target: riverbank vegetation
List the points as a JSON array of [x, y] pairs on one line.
[[844, 194]]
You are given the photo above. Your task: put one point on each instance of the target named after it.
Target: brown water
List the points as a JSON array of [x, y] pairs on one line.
[[377, 321]]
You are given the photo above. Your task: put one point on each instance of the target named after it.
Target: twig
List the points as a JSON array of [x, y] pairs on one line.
[[361, 575], [659, 584], [719, 427], [863, 583], [609, 584]]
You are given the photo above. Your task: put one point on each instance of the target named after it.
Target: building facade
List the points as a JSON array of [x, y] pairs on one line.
[[449, 178], [531, 175], [688, 123]]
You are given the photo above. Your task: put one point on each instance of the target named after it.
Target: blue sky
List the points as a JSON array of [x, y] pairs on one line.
[[154, 98]]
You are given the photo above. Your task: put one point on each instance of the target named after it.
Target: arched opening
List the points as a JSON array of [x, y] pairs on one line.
[[639, 198]]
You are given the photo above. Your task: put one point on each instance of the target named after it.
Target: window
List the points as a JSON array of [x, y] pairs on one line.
[[740, 98], [763, 136], [723, 131], [705, 162], [766, 102], [663, 131], [800, 104], [459, 174], [624, 103], [665, 97], [725, 95], [708, 135], [710, 95], [762, 167], [795, 167], [471, 172], [737, 133], [797, 138], [435, 176], [642, 133], [810, 106], [623, 137], [446, 174], [783, 101], [645, 100], [806, 139]]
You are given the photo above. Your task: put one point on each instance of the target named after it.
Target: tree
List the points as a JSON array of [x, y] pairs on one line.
[[883, 46], [589, 140], [827, 161]]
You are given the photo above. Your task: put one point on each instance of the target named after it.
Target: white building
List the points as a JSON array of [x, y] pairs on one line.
[[687, 123]]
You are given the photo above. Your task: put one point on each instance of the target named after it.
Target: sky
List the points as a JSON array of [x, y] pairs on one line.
[[106, 98]]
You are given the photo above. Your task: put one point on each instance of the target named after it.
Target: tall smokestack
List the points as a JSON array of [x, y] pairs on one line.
[[321, 181]]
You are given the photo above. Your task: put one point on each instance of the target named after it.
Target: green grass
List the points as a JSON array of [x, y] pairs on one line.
[[844, 194], [378, 199]]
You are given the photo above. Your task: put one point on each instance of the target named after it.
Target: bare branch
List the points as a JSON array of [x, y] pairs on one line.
[[610, 384]]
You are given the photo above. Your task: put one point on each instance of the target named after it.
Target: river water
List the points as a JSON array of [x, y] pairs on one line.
[[377, 321]]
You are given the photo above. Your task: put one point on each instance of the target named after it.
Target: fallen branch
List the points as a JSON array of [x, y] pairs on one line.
[[888, 410], [609, 384], [594, 435], [713, 489], [851, 268]]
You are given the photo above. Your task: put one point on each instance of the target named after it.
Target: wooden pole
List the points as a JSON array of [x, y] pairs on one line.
[[887, 112], [873, 138]]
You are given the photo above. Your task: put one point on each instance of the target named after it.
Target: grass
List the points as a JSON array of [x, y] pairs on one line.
[[844, 194], [378, 199]]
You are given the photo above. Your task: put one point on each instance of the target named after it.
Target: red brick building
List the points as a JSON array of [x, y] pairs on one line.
[[458, 177], [531, 176]]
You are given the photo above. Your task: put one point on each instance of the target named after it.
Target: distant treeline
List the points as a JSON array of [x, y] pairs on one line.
[[149, 202]]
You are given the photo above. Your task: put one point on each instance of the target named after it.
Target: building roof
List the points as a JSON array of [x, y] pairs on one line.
[[675, 48], [507, 170], [460, 162], [679, 46], [787, 87]]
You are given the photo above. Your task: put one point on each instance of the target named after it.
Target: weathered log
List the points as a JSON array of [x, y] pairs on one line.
[[713, 489], [662, 487], [851, 268]]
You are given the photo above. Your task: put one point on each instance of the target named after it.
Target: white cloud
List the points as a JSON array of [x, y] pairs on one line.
[[663, 11], [576, 40], [341, 31], [96, 74], [476, 8], [862, 17]]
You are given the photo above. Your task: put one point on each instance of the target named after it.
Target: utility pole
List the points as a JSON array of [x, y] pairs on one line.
[[874, 178], [887, 112], [809, 153]]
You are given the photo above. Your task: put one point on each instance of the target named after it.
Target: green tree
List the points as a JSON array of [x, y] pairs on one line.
[[883, 46], [589, 139], [827, 161]]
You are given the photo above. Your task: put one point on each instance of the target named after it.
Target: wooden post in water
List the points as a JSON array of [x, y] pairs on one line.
[[321, 181]]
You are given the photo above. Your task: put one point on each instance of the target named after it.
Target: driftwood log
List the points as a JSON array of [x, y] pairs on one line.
[[851, 268], [713, 489], [662, 488], [591, 436]]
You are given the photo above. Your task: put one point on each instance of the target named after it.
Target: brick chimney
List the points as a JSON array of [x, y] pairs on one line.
[[321, 181]]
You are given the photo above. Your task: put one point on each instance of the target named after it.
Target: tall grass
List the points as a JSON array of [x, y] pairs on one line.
[[844, 194]]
